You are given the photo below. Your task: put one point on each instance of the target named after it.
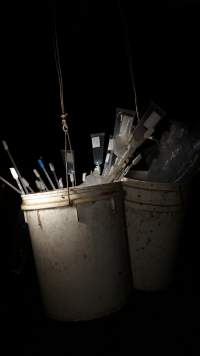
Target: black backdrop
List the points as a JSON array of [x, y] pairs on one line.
[[164, 38], [164, 41]]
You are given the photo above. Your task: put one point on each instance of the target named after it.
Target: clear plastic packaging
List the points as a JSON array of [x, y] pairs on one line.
[[92, 179], [110, 157], [152, 116], [70, 165], [70, 161], [122, 130], [98, 148], [175, 154]]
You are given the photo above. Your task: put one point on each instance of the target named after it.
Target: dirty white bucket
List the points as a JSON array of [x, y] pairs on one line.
[[80, 250], [154, 217]]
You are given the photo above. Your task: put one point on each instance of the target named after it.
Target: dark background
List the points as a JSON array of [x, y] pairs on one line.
[[163, 36], [164, 40]]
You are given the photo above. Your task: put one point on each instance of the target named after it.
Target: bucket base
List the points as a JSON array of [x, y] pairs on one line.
[[94, 317]]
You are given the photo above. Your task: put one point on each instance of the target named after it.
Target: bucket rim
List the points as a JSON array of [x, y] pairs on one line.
[[156, 186], [64, 197]]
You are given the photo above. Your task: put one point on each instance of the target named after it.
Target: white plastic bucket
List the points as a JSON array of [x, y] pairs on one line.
[[80, 249], [154, 217]]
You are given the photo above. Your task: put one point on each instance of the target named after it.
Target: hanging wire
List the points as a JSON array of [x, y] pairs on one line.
[[66, 163], [58, 67], [129, 56], [70, 148], [63, 115]]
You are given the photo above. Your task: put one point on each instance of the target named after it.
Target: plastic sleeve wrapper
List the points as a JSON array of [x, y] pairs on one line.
[[176, 158], [190, 167], [70, 161], [109, 157], [122, 132], [98, 147]]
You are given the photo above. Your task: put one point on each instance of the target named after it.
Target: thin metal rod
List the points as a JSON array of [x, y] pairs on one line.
[[10, 185], [41, 164], [5, 145]]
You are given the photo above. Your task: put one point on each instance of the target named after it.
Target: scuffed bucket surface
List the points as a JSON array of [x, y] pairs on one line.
[[154, 217], [81, 257]]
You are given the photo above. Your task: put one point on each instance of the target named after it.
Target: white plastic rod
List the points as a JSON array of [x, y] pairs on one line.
[[84, 176], [27, 185], [52, 168], [40, 179], [15, 176], [38, 185], [72, 178], [61, 183], [133, 163]]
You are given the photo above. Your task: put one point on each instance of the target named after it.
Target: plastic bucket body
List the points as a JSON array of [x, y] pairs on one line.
[[80, 250], [154, 216]]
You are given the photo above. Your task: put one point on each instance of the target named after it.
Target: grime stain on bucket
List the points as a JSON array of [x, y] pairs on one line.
[[39, 219]]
